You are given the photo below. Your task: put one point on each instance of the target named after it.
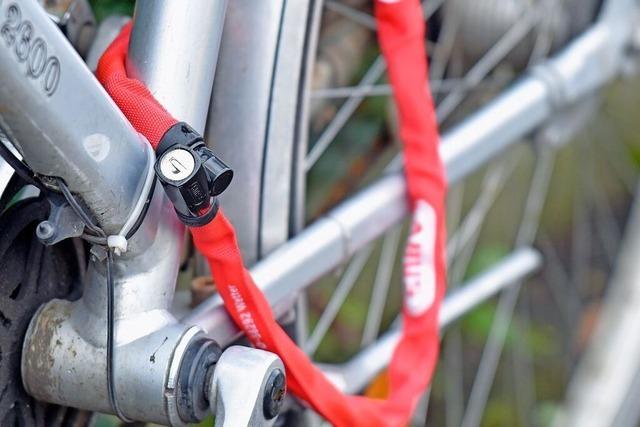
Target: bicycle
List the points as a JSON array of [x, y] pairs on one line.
[[283, 270]]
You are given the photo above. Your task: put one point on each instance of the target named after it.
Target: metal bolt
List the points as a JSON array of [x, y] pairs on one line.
[[45, 231], [274, 393]]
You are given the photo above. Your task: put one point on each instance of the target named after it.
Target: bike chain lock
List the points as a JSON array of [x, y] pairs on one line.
[[191, 174]]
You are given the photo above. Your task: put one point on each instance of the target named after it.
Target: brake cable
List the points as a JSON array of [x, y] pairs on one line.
[[99, 233], [20, 167]]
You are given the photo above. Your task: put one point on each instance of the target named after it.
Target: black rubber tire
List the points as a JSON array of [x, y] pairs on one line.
[[30, 275]]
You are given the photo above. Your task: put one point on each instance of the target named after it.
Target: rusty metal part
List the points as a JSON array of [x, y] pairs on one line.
[[64, 358], [63, 363]]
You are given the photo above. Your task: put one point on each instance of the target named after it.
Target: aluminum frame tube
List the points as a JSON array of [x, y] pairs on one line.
[[62, 121], [174, 50], [65, 347]]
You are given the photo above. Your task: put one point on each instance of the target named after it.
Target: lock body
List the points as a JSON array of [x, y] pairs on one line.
[[191, 174]]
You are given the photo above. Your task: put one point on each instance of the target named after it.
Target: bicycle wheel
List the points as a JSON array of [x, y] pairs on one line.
[[316, 89]]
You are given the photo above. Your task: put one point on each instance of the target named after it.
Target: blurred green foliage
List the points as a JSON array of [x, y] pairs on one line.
[[104, 8]]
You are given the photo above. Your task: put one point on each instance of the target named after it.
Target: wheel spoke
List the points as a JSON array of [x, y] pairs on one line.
[[617, 156], [302, 319], [466, 235], [455, 202], [454, 370], [523, 369], [536, 198], [436, 86], [605, 225], [353, 14], [490, 358], [337, 299], [483, 66], [581, 241], [343, 114], [558, 281], [444, 48], [507, 302], [381, 286], [352, 91], [544, 39]]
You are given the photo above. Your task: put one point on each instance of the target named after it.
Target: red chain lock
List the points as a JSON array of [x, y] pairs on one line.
[[401, 33]]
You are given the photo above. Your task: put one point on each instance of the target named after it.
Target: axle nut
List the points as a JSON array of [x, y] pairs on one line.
[[274, 392]]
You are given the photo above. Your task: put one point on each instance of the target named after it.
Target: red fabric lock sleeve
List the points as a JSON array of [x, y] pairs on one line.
[[132, 97], [401, 33]]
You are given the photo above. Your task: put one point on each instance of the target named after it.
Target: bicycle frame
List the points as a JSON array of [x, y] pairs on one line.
[[58, 135], [55, 133]]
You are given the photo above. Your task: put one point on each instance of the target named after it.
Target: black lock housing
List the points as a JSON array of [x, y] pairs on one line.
[[191, 174]]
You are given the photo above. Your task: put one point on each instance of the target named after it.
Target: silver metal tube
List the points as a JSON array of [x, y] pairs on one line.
[[353, 375], [71, 335], [495, 127], [178, 53], [62, 121], [329, 242], [510, 270], [148, 338], [245, 110]]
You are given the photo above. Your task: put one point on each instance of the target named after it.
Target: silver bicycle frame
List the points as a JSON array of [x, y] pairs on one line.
[[73, 130], [78, 133]]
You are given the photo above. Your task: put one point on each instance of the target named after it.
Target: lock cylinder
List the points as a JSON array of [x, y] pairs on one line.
[[191, 174]]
